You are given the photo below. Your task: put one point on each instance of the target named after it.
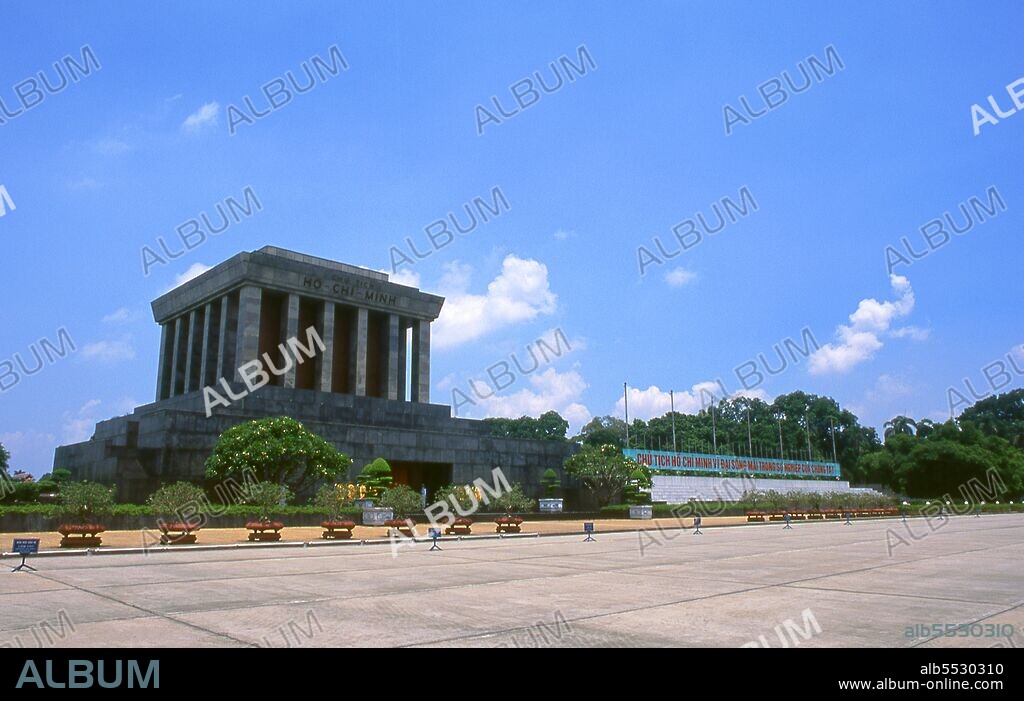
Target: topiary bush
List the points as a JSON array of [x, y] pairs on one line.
[[376, 477], [514, 500], [401, 499], [550, 482]]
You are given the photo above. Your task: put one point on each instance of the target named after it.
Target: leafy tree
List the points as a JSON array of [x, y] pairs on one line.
[[266, 497], [376, 477], [900, 424], [5, 458], [465, 495], [549, 426], [401, 499], [999, 415], [86, 501], [550, 482], [279, 450], [331, 499], [603, 470], [170, 500], [514, 500], [639, 480], [603, 430]]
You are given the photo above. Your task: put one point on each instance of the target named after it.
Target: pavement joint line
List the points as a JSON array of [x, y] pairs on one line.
[[154, 614], [897, 595], [983, 618]]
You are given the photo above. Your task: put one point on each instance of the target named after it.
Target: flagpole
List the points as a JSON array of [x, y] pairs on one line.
[[807, 425], [750, 447], [625, 400], [833, 424], [672, 402]]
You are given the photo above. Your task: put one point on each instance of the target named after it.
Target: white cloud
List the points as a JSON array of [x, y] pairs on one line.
[[203, 117], [194, 271], [85, 184], [520, 293], [914, 333], [108, 351], [405, 276], [859, 340], [121, 315], [31, 451], [78, 426], [562, 235], [653, 402], [679, 277], [111, 146], [549, 390]]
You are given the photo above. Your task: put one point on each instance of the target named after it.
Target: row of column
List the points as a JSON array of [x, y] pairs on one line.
[[211, 342]]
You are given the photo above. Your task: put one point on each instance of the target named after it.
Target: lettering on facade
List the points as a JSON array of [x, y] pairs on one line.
[[350, 287]]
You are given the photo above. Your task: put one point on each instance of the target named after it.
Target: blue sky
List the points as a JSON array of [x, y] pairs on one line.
[[591, 172]]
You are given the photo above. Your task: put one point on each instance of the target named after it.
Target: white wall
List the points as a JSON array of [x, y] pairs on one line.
[[680, 489]]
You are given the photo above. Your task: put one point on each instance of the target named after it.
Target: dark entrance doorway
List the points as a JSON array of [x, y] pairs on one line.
[[416, 474]]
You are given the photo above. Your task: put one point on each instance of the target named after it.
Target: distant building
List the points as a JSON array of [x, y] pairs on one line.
[[22, 476], [367, 392]]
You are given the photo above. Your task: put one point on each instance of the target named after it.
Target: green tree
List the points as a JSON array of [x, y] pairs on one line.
[[603, 430], [899, 424], [331, 501], [5, 458], [999, 415], [279, 450], [603, 470], [549, 426], [85, 502], [513, 501], [376, 477], [401, 499], [266, 497], [170, 500], [550, 482]]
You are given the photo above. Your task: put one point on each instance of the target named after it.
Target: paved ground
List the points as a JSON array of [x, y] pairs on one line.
[[724, 588], [50, 540]]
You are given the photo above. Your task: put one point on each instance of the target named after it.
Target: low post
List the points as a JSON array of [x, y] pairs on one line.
[[696, 525], [435, 533], [588, 528], [848, 522], [787, 517]]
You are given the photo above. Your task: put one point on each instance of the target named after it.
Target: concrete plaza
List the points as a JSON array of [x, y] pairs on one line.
[[724, 588]]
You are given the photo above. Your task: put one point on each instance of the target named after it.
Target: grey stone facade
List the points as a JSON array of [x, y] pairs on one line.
[[355, 394]]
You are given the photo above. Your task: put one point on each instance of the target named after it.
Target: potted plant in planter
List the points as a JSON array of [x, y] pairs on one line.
[[169, 503], [374, 478], [638, 499], [465, 500], [265, 497], [82, 506], [332, 499], [513, 501], [403, 502], [550, 482]]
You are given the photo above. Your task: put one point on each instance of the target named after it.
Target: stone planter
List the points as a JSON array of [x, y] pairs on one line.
[[549, 505], [641, 511], [377, 515]]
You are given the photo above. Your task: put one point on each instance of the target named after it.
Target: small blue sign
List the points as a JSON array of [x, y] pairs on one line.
[[588, 527], [434, 532], [26, 546]]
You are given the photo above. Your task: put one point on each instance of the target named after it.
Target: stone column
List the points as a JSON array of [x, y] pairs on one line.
[[207, 363], [421, 361], [394, 329], [193, 347], [403, 359], [163, 373], [357, 369], [291, 330], [247, 338], [222, 342], [325, 361], [176, 366]]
